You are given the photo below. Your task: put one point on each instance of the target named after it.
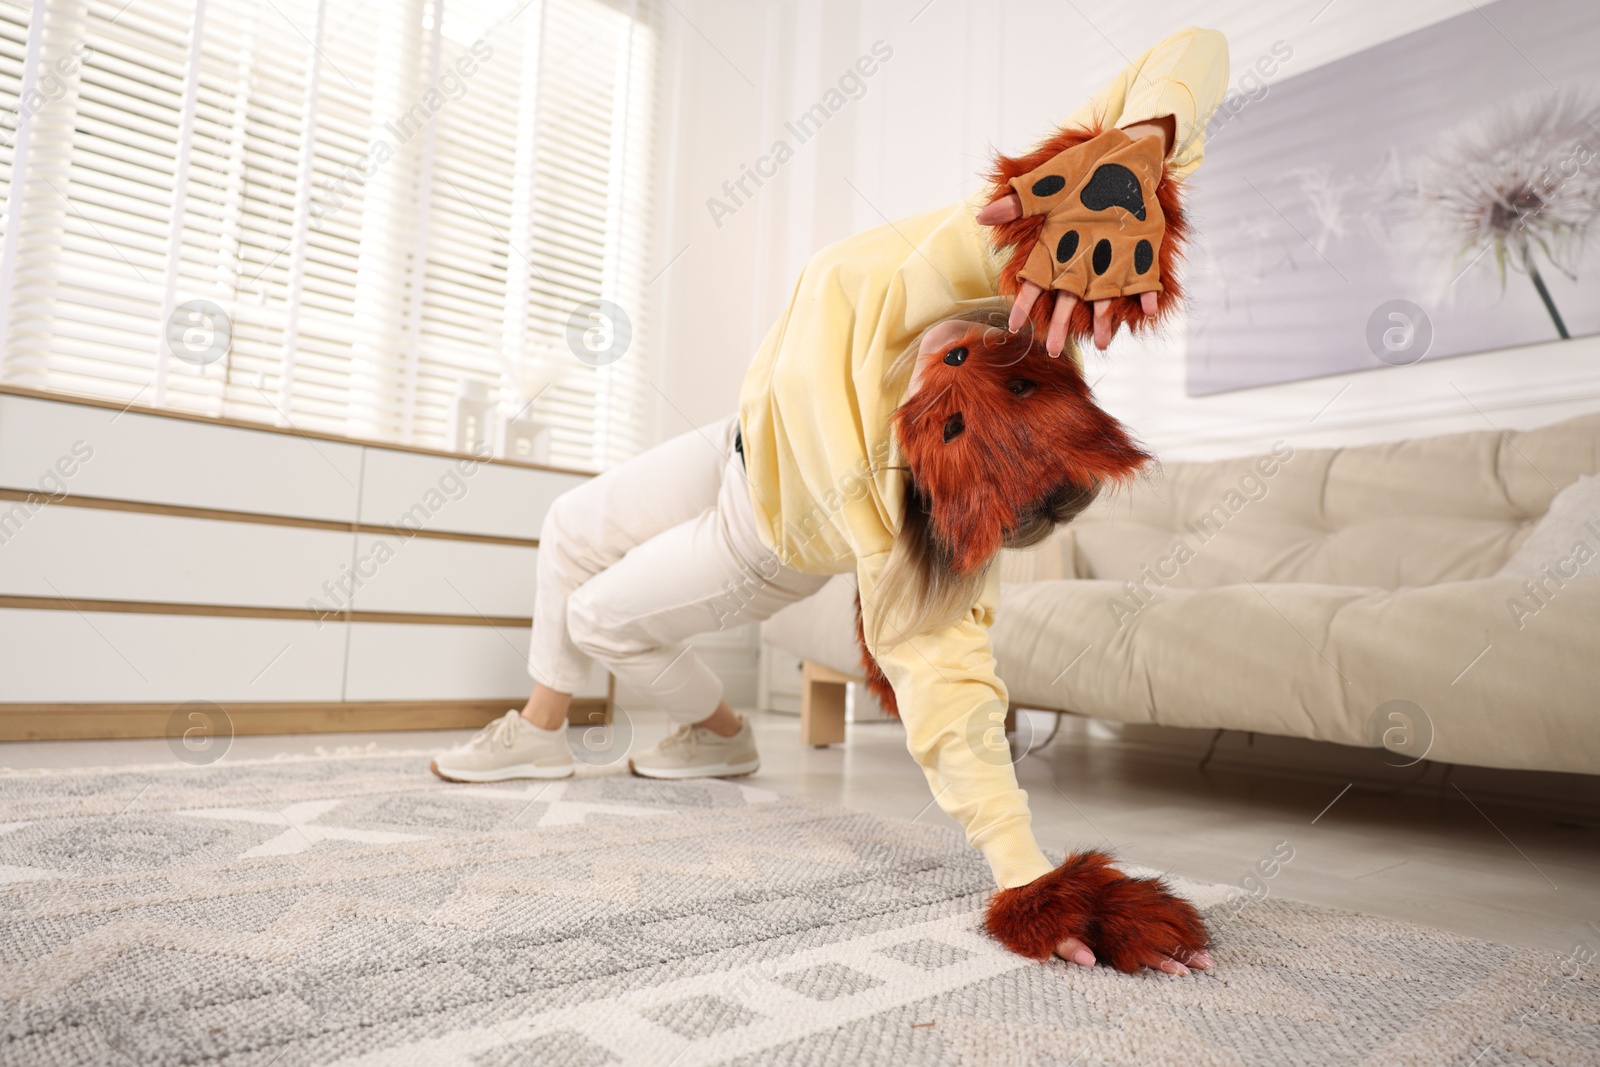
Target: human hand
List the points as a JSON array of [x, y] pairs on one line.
[[1074, 951], [1139, 923], [1086, 911]]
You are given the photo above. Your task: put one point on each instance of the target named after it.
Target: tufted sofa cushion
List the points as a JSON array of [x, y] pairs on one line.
[[1407, 513]]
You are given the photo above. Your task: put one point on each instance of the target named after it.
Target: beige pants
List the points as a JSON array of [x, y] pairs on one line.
[[636, 561]]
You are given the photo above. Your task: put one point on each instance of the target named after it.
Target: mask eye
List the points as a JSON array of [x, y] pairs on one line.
[[1021, 387], [953, 426], [956, 356]]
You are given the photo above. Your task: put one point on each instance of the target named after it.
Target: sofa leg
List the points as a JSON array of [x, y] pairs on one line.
[[822, 696]]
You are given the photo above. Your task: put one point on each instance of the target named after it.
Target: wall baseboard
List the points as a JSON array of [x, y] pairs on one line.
[[77, 722]]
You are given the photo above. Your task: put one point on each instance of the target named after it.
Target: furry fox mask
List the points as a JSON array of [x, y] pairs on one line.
[[1004, 442]]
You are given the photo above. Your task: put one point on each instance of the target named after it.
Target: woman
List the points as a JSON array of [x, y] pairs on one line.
[[902, 422]]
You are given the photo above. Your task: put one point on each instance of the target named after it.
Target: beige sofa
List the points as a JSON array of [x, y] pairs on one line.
[[1345, 595]]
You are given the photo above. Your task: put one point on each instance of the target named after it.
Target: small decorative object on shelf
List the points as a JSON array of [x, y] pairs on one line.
[[527, 378], [523, 439], [471, 424]]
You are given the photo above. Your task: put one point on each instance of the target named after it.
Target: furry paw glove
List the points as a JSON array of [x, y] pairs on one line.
[[1100, 219], [1126, 922], [1102, 222]]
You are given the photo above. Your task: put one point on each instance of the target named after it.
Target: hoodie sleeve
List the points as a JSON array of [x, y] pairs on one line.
[[953, 706], [1185, 76]]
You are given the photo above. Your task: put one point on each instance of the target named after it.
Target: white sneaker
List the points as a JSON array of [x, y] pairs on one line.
[[694, 752], [509, 747]]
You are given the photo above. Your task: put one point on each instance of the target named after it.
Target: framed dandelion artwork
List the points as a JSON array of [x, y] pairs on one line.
[[1434, 196]]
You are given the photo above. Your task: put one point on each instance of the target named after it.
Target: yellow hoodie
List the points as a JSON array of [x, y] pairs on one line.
[[815, 411]]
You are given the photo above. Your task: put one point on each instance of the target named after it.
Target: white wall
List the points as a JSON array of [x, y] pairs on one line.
[[922, 134], [716, 91]]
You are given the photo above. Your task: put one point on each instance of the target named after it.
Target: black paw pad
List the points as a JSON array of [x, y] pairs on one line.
[[1049, 185], [1112, 185], [1102, 256], [1067, 247], [1143, 257]]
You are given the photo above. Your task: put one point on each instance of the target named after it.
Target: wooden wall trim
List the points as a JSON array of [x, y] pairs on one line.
[[228, 611], [105, 503], [245, 424], [76, 722]]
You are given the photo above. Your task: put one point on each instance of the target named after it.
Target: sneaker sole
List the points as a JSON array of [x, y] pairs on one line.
[[710, 770], [503, 774]]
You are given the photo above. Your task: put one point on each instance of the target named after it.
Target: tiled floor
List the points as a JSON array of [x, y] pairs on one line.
[[1526, 875]]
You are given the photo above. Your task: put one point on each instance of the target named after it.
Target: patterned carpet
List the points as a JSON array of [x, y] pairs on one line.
[[355, 910]]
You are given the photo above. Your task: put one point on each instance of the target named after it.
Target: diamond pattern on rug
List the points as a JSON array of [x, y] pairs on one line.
[[828, 981], [926, 953], [698, 1017], [566, 1047], [121, 843]]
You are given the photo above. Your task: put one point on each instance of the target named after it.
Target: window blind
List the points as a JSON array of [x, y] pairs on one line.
[[382, 200]]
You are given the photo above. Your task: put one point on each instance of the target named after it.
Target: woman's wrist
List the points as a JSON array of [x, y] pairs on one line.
[[1165, 127]]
